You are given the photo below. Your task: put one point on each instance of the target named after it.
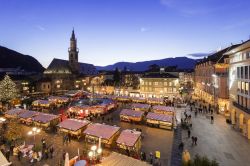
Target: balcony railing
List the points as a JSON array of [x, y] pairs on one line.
[[241, 107]]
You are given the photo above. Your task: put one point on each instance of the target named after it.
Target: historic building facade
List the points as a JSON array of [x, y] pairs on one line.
[[66, 74], [211, 80], [239, 92]]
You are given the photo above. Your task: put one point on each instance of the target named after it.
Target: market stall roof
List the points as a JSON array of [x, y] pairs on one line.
[[138, 98], [138, 105], [128, 112], [15, 111], [28, 114], [163, 108], [3, 160], [159, 117], [56, 98], [155, 99], [73, 124], [128, 137], [41, 102], [101, 130], [44, 118], [115, 159]]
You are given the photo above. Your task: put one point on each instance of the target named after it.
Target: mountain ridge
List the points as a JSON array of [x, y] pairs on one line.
[[180, 62]]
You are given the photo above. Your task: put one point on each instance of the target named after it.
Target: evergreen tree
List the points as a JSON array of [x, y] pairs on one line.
[[117, 77], [8, 89]]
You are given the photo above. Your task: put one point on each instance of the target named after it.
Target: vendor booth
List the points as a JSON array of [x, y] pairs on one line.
[[160, 120], [138, 100], [13, 113], [131, 115], [155, 101], [123, 98], [45, 120], [58, 100], [3, 160], [140, 107], [41, 104], [129, 139], [79, 112], [26, 117], [107, 133], [163, 110], [74, 127]]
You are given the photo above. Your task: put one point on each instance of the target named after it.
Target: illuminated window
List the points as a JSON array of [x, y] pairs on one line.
[[156, 83], [242, 85], [166, 83], [170, 83], [149, 83], [58, 86], [239, 85]]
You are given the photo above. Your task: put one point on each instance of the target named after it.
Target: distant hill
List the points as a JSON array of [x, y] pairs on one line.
[[13, 59], [181, 62]]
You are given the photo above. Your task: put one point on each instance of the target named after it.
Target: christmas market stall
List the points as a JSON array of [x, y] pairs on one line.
[[74, 127], [46, 120], [140, 107], [13, 113], [58, 100], [163, 110], [138, 100], [123, 98], [129, 115], [160, 120], [155, 101], [41, 104], [107, 133], [129, 140], [79, 112], [26, 117]]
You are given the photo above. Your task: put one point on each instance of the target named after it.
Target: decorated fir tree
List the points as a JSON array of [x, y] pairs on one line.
[[8, 89]]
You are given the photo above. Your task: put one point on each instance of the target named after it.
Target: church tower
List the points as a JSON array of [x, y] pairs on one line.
[[73, 54]]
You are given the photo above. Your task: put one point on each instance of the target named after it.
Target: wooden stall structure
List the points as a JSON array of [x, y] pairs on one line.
[[123, 98], [58, 100], [74, 127], [138, 100], [129, 139], [80, 112], [41, 104], [45, 120], [26, 117], [107, 133], [160, 120], [155, 101], [13, 113], [129, 115], [163, 110], [140, 107]]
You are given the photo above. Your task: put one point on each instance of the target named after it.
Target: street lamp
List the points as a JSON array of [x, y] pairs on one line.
[[2, 120], [94, 152], [34, 131]]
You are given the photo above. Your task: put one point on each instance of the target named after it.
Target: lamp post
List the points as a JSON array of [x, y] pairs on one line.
[[94, 152], [34, 132]]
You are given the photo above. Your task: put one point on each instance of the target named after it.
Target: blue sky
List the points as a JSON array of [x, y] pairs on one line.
[[109, 31]]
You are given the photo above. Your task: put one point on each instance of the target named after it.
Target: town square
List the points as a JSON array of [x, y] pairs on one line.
[[124, 83]]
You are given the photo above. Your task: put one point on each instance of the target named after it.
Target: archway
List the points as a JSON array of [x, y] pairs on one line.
[[241, 121]]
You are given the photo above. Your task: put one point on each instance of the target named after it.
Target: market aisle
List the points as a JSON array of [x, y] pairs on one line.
[[218, 141]]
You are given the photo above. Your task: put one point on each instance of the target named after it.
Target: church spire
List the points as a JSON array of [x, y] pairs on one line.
[[73, 35]]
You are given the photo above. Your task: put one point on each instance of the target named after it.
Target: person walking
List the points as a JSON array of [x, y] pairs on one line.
[[19, 155], [51, 150], [151, 158], [195, 140], [189, 133], [212, 119]]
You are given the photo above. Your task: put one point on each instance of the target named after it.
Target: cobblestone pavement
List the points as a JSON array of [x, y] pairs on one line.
[[154, 139], [218, 141]]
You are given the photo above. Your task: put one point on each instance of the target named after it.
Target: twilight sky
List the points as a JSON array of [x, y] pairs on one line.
[[109, 31]]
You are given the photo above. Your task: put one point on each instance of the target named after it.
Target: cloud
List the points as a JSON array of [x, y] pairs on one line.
[[199, 55], [143, 29], [39, 27]]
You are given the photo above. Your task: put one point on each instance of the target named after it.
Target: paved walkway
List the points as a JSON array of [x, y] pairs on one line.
[[218, 141]]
